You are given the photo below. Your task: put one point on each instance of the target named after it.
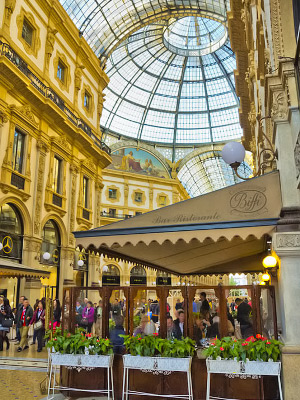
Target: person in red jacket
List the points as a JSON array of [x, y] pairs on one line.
[[39, 315]]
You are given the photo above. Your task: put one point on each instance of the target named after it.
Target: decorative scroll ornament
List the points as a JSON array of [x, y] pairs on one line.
[[49, 47], [280, 106], [3, 118]]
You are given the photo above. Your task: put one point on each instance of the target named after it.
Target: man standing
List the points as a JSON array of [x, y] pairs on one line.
[[24, 317], [19, 308], [179, 325], [243, 317]]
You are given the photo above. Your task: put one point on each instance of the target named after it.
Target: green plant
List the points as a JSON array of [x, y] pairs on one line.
[[78, 343], [252, 349], [112, 324], [136, 321], [153, 345]]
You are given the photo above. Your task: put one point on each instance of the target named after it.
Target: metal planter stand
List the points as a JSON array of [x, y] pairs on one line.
[[156, 366], [80, 362], [243, 370]]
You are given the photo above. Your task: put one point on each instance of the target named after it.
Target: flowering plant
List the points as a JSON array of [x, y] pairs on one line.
[[78, 343], [253, 348], [153, 345]]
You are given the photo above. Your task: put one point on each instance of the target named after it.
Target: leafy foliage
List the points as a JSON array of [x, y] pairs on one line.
[[153, 345], [78, 343], [252, 349]]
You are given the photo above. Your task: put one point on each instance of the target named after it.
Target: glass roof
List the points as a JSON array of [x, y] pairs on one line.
[[106, 23], [207, 172], [158, 95]]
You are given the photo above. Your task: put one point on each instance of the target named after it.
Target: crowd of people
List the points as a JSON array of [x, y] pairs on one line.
[[22, 318]]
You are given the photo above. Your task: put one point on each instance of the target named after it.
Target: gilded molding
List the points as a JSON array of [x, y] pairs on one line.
[[9, 9], [3, 118], [39, 187], [138, 203], [49, 47], [118, 194], [159, 197], [64, 85], [26, 113], [78, 76], [276, 27], [88, 111], [36, 41], [74, 172]]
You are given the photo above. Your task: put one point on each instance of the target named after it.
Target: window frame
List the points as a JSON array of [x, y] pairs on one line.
[[85, 191], [63, 68], [114, 191], [57, 180], [87, 95], [14, 153], [138, 194], [29, 25]]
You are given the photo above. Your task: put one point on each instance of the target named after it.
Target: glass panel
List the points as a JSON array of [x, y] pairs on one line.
[[240, 313], [266, 303], [88, 311], [85, 192], [61, 71], [146, 313], [66, 309], [18, 151], [117, 315], [206, 317], [27, 32], [175, 314], [56, 186]]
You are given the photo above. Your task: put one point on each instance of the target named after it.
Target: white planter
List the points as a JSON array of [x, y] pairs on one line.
[[243, 368], [81, 360], [155, 364]]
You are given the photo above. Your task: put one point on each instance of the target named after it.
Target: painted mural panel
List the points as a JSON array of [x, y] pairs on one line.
[[139, 162]]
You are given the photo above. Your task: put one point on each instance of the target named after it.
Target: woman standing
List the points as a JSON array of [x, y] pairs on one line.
[[88, 317], [5, 314], [56, 313], [98, 319], [39, 327]]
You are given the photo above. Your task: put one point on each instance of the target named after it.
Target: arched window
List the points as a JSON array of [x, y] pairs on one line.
[[11, 232], [138, 276], [51, 242], [110, 275]]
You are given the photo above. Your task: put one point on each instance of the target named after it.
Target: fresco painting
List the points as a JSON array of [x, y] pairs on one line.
[[139, 162]]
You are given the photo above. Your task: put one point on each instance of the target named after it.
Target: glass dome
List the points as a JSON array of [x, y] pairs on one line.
[[172, 82]]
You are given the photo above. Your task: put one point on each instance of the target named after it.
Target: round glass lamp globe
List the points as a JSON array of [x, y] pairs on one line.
[[1, 246], [262, 283], [266, 277], [46, 256], [105, 268], [80, 263], [269, 262], [233, 152]]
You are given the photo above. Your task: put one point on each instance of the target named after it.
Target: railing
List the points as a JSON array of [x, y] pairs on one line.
[[49, 93], [112, 215]]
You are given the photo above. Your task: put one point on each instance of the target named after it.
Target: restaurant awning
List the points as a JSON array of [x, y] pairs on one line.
[[220, 232], [11, 269]]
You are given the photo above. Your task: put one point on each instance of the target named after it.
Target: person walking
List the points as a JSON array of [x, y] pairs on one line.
[[35, 307], [24, 318], [19, 308], [38, 320], [56, 313], [5, 316]]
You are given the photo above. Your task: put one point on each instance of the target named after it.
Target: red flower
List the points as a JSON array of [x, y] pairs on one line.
[[264, 338], [258, 336], [251, 339], [155, 334], [268, 342], [106, 339], [98, 340], [139, 338], [213, 344], [244, 344], [55, 339], [69, 334], [222, 348]]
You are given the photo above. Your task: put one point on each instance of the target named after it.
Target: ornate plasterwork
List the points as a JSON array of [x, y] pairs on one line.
[[90, 110], [78, 76], [3, 118], [50, 40], [101, 100], [279, 109], [74, 170], [118, 194], [138, 203], [25, 112], [297, 156], [276, 28], [9, 9], [43, 149], [287, 240], [65, 84], [159, 198], [36, 41]]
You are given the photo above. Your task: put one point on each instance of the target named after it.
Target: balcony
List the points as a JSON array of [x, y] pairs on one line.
[[50, 94], [105, 214]]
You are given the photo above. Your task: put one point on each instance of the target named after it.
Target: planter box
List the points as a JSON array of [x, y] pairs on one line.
[[240, 367], [81, 360], [155, 364]]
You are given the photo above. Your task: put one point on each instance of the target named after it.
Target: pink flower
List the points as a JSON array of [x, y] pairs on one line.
[[55, 339], [268, 342], [69, 334], [222, 348]]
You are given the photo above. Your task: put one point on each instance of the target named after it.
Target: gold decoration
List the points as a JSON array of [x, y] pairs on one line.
[[143, 197], [78, 76], [50, 40], [36, 41], [279, 106], [43, 148], [118, 194], [3, 118], [65, 84], [74, 171], [159, 199], [88, 111]]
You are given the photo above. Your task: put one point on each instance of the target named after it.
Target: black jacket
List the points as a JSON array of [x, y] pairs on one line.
[[177, 331], [243, 312], [28, 316]]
